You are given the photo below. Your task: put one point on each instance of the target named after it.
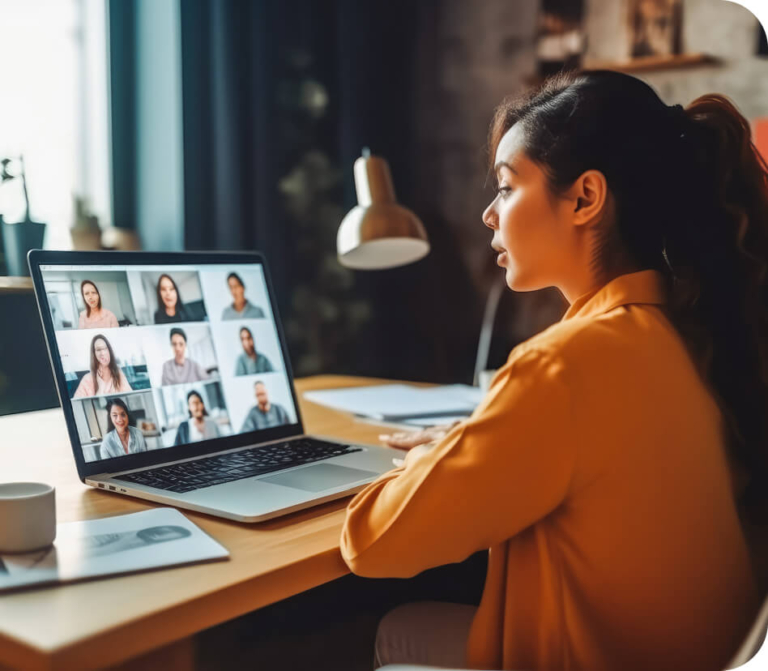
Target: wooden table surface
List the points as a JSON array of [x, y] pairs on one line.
[[105, 622]]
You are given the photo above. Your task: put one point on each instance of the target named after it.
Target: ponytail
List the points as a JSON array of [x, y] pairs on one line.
[[718, 276]]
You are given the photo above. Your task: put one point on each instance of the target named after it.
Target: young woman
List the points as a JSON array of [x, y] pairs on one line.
[[122, 436], [610, 462], [105, 376], [198, 426], [170, 307], [241, 307], [95, 314]]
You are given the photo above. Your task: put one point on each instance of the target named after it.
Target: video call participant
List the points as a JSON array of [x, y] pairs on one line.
[[197, 427], [251, 361], [170, 307], [181, 369], [95, 314], [264, 414], [122, 437], [241, 308], [105, 376]]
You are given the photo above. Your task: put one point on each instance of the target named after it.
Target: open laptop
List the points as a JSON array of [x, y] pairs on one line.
[[174, 377]]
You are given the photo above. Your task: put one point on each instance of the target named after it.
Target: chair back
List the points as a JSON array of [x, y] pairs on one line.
[[753, 654]]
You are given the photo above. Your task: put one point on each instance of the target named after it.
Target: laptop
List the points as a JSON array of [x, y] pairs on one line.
[[173, 373]]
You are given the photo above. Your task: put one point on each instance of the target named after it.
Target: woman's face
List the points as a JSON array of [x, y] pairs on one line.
[[91, 296], [530, 234], [196, 407], [246, 340], [102, 352], [119, 418], [236, 289], [168, 293]]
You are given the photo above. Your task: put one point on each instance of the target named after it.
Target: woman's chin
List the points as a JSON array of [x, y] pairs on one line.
[[518, 281]]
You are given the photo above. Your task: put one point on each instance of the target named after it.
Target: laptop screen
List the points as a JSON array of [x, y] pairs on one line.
[[156, 356]]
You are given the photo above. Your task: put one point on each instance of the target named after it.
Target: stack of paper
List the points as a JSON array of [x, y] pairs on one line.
[[401, 403]]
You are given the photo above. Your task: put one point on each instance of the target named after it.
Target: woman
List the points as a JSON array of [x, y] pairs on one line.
[[122, 436], [603, 467], [105, 376], [94, 315], [170, 307], [197, 427], [241, 307]]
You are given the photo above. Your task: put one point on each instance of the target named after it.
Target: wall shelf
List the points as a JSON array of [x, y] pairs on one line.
[[649, 63]]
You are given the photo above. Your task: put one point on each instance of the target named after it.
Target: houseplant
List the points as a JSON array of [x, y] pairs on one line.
[[19, 237]]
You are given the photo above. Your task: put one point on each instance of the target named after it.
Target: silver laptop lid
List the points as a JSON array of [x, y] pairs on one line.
[[161, 356]]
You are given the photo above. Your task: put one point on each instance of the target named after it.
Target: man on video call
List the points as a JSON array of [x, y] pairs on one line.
[[264, 414]]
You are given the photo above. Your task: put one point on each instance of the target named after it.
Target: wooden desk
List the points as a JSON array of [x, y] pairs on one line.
[[105, 622]]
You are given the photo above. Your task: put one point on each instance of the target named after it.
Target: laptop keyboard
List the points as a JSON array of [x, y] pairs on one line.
[[209, 471]]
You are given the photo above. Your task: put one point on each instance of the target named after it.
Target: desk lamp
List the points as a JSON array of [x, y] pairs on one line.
[[378, 233]]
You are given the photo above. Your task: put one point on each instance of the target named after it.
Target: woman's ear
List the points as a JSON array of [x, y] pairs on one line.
[[589, 193]]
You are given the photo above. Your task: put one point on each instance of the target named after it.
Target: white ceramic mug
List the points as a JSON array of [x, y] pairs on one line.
[[27, 516]]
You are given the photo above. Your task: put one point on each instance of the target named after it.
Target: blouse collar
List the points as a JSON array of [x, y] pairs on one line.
[[643, 287]]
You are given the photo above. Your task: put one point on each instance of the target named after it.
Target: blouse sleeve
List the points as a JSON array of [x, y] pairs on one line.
[[112, 321], [108, 448], [81, 320], [85, 388], [490, 477]]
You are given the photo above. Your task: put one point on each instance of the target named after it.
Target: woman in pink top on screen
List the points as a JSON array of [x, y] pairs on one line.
[[95, 315], [105, 376]]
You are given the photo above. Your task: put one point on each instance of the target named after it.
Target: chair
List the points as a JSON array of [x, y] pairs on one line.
[[751, 656]]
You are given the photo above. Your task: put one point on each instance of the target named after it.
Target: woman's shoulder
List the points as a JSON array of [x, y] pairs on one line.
[[602, 341]]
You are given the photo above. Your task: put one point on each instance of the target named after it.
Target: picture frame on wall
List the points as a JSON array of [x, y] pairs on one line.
[[655, 28]]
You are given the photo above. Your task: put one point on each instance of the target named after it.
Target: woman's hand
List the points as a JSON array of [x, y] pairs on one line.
[[407, 440], [416, 442]]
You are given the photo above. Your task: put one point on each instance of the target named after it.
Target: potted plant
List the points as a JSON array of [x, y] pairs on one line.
[[19, 237]]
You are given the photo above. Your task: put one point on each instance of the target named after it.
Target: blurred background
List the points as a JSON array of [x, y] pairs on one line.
[[234, 124]]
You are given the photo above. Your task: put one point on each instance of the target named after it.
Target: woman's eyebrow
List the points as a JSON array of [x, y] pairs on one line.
[[504, 164]]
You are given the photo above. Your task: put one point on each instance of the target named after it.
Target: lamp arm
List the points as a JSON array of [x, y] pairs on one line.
[[486, 330]]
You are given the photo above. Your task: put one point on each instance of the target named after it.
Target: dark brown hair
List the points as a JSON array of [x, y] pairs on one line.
[[88, 307], [200, 398], [691, 200], [120, 403], [237, 278], [160, 304], [114, 369]]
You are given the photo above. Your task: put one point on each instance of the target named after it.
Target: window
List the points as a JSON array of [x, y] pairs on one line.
[[53, 87]]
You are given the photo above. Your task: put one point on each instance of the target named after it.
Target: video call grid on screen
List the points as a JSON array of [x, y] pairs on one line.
[[180, 354]]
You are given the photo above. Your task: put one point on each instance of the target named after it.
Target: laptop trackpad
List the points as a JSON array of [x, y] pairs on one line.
[[319, 477]]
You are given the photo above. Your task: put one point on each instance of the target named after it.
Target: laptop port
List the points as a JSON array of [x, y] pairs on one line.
[[112, 488], [101, 486]]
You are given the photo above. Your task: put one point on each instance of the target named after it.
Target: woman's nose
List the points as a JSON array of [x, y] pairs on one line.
[[490, 218]]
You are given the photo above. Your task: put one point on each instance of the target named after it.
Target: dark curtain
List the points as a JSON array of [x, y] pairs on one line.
[[248, 141], [229, 79]]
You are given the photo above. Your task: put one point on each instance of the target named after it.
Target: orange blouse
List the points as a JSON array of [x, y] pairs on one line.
[[595, 471]]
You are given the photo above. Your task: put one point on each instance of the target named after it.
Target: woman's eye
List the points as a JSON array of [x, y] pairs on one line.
[[504, 190]]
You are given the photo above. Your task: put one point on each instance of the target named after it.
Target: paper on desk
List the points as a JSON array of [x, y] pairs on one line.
[[121, 544], [401, 402]]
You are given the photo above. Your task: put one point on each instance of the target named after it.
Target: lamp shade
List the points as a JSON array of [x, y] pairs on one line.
[[378, 233]]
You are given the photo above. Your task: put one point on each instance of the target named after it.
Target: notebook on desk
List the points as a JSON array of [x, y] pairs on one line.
[[175, 382]]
